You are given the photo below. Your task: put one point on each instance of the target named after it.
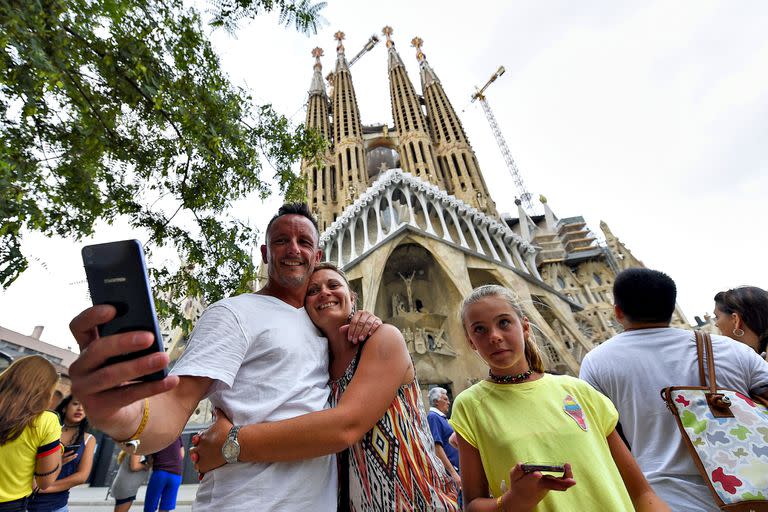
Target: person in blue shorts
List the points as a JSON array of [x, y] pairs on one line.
[[165, 480]]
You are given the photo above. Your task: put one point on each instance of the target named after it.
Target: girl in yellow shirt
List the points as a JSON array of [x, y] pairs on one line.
[[30, 450], [520, 415]]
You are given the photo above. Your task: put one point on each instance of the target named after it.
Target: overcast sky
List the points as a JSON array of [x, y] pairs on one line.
[[651, 116]]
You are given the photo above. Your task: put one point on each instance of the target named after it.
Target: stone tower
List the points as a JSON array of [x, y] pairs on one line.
[[456, 160], [320, 176], [416, 154], [348, 151]]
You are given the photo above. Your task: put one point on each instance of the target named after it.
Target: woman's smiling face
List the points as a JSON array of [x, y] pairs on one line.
[[329, 299]]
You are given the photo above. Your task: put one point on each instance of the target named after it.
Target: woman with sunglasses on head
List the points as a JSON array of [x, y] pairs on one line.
[[30, 449], [742, 314], [77, 460]]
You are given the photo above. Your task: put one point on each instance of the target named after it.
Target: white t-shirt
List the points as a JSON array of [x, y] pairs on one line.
[[268, 362], [631, 369]]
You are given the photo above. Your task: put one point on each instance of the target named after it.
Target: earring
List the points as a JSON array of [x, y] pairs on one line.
[[354, 310], [738, 332]]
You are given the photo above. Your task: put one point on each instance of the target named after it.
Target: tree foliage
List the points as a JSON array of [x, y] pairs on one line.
[[302, 14], [118, 109]]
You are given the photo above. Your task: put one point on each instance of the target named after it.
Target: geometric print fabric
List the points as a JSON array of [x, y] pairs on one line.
[[394, 467]]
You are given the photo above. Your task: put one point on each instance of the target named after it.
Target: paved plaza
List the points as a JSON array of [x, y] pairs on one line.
[[84, 498]]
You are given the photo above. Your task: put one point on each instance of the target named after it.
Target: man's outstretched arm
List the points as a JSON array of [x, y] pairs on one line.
[[117, 408]]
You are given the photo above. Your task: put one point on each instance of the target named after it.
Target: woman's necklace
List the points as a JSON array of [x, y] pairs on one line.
[[509, 379]]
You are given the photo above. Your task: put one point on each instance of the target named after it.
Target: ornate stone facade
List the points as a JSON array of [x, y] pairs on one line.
[[418, 230]]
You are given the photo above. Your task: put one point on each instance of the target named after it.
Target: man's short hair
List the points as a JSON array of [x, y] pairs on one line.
[[296, 208], [435, 394], [645, 295]]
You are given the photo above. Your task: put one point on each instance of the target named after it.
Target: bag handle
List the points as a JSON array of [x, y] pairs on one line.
[[710, 362], [700, 356], [719, 404], [704, 346]]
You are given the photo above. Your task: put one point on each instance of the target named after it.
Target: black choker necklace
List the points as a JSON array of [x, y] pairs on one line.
[[509, 379], [71, 426]]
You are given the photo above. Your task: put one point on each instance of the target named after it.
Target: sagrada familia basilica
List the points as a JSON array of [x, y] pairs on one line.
[[405, 210]]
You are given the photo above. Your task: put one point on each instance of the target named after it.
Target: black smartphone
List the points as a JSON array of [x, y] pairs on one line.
[[71, 448], [117, 275], [544, 468]]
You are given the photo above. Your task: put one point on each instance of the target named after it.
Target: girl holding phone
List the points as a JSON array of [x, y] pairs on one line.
[[77, 460], [520, 415]]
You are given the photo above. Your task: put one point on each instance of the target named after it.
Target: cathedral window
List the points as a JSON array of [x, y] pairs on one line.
[[458, 169], [597, 279], [560, 282]]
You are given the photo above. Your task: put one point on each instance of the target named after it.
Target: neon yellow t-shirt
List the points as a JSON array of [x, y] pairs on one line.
[[18, 457], [552, 420]]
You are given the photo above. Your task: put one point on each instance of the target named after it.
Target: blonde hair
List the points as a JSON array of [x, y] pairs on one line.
[[532, 353], [26, 387]]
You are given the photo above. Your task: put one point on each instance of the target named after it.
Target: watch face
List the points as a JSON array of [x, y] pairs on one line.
[[230, 450]]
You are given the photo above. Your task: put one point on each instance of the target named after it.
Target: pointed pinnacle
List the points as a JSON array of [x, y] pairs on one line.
[[387, 31], [417, 43], [339, 36]]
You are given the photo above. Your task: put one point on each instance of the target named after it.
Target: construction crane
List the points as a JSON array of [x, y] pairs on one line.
[[368, 47], [523, 194], [372, 41]]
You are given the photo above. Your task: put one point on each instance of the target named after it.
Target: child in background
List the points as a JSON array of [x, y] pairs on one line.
[[521, 415]]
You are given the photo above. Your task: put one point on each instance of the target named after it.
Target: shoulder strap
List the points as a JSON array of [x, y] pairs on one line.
[[359, 353], [700, 356], [710, 362]]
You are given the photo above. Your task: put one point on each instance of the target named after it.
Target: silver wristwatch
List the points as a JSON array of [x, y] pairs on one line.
[[231, 448]]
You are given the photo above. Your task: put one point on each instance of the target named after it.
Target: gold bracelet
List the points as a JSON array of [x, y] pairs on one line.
[[142, 425], [498, 503]]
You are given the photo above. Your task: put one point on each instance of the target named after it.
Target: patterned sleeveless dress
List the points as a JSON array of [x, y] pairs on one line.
[[394, 467]]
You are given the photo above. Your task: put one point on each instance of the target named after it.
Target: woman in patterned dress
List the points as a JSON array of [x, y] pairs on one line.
[[390, 464]]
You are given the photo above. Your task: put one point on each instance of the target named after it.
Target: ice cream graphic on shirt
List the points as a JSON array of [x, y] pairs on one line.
[[574, 410]]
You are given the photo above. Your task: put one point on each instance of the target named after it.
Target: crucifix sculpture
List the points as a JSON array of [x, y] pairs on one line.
[[408, 288]]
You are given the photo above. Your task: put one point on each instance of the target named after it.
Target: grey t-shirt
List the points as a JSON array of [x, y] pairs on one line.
[[269, 363], [631, 369]]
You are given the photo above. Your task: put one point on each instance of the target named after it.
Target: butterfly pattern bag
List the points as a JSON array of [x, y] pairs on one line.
[[726, 433]]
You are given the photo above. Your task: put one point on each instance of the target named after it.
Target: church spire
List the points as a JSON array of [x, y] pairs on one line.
[[416, 154], [349, 154], [456, 160], [318, 174], [341, 59]]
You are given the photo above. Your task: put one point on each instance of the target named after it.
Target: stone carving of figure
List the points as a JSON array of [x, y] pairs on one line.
[[398, 306], [439, 344], [408, 336], [408, 288], [420, 341]]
